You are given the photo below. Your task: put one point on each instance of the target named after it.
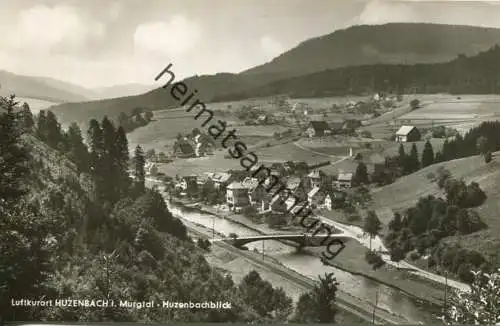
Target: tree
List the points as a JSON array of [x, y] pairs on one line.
[[54, 135], [427, 154], [78, 151], [396, 223], [402, 157], [414, 104], [122, 157], [14, 155], [265, 299], [413, 162], [41, 125], [488, 157], [478, 306], [361, 174], [482, 145], [140, 173], [28, 122], [397, 254], [319, 305], [148, 116], [372, 225]]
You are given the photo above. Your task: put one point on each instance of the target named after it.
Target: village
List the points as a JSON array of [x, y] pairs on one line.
[[344, 190]]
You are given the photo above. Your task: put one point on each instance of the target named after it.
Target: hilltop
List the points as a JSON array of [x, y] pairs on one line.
[[37, 88], [393, 43], [358, 45]]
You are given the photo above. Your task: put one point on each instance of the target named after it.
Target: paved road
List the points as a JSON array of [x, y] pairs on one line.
[[356, 233]]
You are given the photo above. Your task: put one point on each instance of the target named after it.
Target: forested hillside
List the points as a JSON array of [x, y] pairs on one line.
[[463, 75], [393, 43], [74, 224]]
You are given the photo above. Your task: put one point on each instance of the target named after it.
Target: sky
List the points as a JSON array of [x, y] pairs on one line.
[[96, 43]]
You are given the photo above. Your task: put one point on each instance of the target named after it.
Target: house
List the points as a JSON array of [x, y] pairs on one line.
[[236, 195], [221, 179], [344, 181], [315, 197], [296, 187], [337, 126], [407, 134], [189, 184], [184, 149], [151, 168], [256, 191], [314, 179], [202, 146], [278, 205], [335, 199], [318, 128], [350, 125]]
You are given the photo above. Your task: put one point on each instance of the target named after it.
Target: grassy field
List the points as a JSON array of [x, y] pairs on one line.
[[35, 104], [161, 133], [437, 145], [405, 192], [438, 109]]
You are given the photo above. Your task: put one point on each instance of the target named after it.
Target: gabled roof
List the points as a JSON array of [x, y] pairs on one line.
[[337, 125], [313, 192], [314, 174], [250, 183], [319, 125], [221, 177], [344, 177], [293, 183], [404, 130], [236, 185]]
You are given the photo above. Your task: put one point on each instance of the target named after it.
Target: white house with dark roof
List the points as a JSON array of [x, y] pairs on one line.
[[315, 196], [407, 134]]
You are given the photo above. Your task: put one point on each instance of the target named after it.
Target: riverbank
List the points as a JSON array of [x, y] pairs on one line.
[[351, 260]]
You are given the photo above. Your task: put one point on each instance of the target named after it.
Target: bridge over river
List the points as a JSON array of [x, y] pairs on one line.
[[302, 240]]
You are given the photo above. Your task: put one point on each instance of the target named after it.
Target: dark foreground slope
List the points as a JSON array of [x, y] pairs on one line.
[[62, 237]]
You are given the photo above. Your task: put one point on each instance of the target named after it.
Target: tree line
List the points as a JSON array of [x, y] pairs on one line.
[[463, 75], [422, 227], [137, 118]]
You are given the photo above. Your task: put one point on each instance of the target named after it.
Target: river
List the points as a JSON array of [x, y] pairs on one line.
[[389, 299]]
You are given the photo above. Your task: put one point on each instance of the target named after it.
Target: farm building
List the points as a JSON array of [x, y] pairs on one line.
[[407, 134], [318, 128], [344, 180]]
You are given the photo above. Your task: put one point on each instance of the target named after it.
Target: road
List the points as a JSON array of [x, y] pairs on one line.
[[344, 301], [358, 234]]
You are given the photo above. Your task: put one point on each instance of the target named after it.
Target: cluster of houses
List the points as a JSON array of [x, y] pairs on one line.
[[314, 189], [321, 128], [197, 146]]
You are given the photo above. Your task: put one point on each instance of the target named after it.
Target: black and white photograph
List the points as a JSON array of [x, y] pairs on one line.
[[250, 161]]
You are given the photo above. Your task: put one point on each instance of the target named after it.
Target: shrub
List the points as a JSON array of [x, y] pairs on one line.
[[488, 157], [375, 259], [414, 255]]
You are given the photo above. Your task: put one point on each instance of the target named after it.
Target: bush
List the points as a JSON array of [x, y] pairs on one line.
[[442, 175], [203, 244], [414, 255], [488, 157], [375, 259]]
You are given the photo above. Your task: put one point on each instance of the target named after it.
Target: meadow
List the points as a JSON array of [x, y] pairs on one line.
[[405, 192], [35, 104]]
